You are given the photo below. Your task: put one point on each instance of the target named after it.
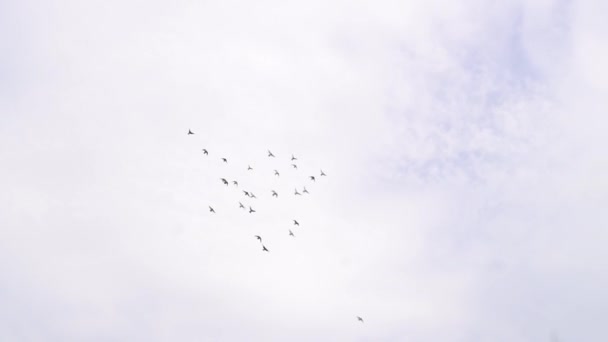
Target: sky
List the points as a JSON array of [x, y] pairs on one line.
[[465, 197]]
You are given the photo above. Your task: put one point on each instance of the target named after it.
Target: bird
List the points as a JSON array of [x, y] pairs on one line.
[[305, 191], [274, 193], [291, 233], [270, 154], [224, 181], [190, 132], [252, 195], [312, 178], [246, 193], [211, 210], [251, 210], [249, 167], [276, 173], [296, 223], [205, 151], [258, 237], [297, 193], [323, 173], [264, 249], [293, 158], [225, 160], [241, 205], [235, 183], [294, 166], [360, 319]]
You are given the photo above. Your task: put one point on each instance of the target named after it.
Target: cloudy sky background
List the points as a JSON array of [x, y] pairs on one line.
[[464, 144]]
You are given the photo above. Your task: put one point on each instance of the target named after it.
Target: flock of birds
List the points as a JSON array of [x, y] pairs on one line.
[[273, 193]]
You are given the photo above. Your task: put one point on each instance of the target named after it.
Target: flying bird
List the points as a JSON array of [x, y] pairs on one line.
[[291, 233], [294, 166], [190, 132], [270, 154], [225, 160], [295, 223], [205, 151], [251, 210], [323, 173], [305, 191], [293, 158], [224, 181], [274, 193], [258, 237], [235, 183], [252, 195], [312, 178], [276, 173], [211, 210], [360, 319], [241, 205], [249, 167], [264, 249], [297, 193], [246, 193]]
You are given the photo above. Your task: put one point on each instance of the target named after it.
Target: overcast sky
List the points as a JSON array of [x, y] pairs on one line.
[[464, 143]]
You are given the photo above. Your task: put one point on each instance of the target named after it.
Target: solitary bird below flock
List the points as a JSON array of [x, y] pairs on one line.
[[270, 154], [205, 152], [360, 319], [274, 193], [211, 210], [225, 160], [249, 167], [190, 132], [276, 173]]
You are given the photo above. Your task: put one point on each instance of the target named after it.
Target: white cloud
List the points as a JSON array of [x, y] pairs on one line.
[[463, 202]]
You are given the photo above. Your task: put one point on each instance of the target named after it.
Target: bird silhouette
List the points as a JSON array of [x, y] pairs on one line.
[[297, 193], [291, 233], [205, 152], [323, 173], [249, 167], [274, 193], [360, 319], [276, 173], [270, 154], [224, 181], [305, 191], [294, 166], [296, 223], [241, 205], [264, 249], [225, 160], [258, 237], [211, 210], [252, 195], [246, 193], [312, 178], [293, 158], [251, 210], [190, 132], [235, 183]]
